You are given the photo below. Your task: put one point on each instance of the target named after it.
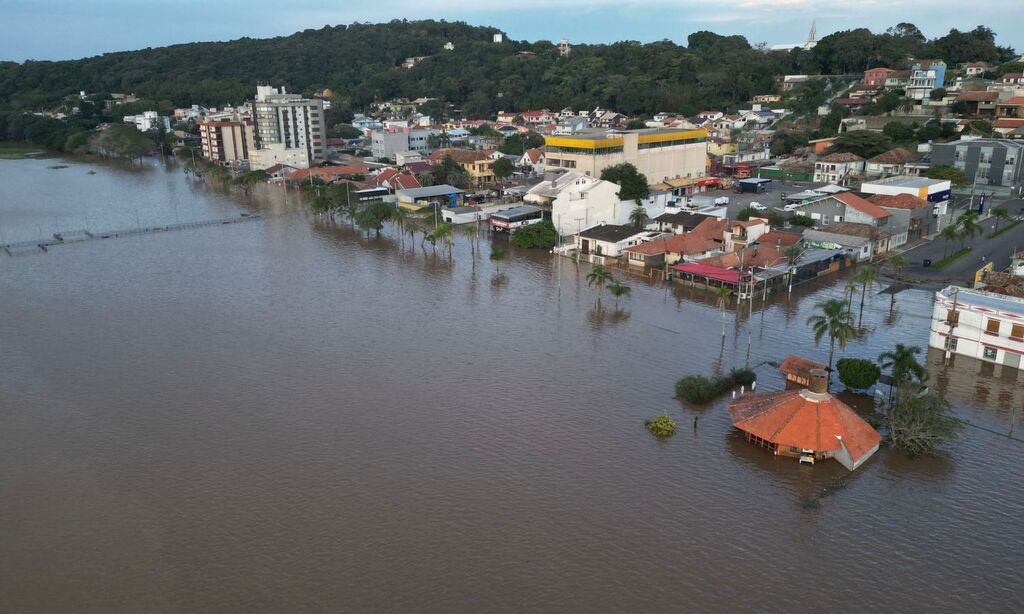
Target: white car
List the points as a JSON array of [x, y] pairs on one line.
[[758, 207]]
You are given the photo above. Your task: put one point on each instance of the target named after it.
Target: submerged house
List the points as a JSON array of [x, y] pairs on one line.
[[809, 424]]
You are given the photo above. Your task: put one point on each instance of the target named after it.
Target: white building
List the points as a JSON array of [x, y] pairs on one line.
[[290, 129], [979, 324], [388, 142], [837, 168], [580, 201], [147, 121]]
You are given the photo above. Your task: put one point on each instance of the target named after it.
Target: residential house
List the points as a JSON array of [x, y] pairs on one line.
[[478, 163], [843, 207], [889, 163], [838, 167], [706, 239], [898, 80], [328, 174], [580, 201], [610, 119], [609, 240], [989, 161], [862, 241], [979, 324], [927, 75], [677, 222], [710, 115], [279, 172], [1007, 126], [980, 103], [571, 124], [820, 146], [976, 69], [767, 98], [781, 239], [394, 179], [1011, 78], [1013, 108], [877, 76], [742, 233], [148, 120], [533, 159], [920, 221]]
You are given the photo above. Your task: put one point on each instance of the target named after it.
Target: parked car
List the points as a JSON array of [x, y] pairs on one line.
[[758, 206]]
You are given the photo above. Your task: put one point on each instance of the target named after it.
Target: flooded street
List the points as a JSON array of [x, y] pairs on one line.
[[283, 415]]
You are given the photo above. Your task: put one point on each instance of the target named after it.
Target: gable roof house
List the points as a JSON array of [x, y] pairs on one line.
[[920, 222], [863, 241], [609, 240], [889, 163], [837, 167], [980, 103], [704, 240], [843, 207]]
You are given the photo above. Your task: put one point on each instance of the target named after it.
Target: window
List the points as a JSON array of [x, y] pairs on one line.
[[1017, 332], [992, 327], [990, 353], [951, 344]]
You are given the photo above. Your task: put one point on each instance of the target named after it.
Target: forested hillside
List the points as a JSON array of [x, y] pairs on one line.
[[361, 63]]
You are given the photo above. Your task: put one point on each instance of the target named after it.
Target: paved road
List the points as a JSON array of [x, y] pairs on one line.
[[772, 198], [997, 250]]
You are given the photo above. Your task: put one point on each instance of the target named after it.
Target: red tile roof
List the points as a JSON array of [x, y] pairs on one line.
[[731, 276], [1016, 101], [534, 154], [864, 206], [856, 229], [328, 173], [462, 156], [898, 201], [893, 156], [799, 366], [779, 237], [979, 96], [804, 420], [1008, 122]]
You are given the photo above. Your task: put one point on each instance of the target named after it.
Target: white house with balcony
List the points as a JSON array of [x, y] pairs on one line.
[[979, 324]]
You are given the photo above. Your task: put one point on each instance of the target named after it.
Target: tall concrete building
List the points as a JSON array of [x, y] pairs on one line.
[[659, 153], [290, 129], [226, 140], [990, 164]]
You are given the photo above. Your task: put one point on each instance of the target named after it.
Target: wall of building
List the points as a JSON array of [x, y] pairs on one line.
[[970, 333]]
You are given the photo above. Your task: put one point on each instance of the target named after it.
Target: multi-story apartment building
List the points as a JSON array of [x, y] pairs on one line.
[[979, 324], [290, 129], [987, 162], [659, 153], [926, 75], [226, 140], [388, 141]]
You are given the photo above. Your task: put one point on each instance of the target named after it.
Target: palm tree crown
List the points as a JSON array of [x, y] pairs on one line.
[[832, 321]]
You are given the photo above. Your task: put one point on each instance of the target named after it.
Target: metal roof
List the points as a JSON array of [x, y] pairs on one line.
[[427, 192]]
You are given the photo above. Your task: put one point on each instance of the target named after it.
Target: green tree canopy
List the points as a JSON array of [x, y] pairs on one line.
[[864, 143], [954, 175], [632, 183]]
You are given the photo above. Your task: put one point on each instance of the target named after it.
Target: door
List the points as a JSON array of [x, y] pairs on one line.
[[585, 246]]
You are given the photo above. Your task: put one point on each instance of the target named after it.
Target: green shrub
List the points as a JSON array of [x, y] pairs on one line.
[[541, 235], [858, 373], [661, 426], [700, 390], [802, 220]]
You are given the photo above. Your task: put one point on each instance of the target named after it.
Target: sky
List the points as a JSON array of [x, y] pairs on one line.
[[67, 29]]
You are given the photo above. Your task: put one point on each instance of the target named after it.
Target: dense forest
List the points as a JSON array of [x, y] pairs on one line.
[[362, 63]]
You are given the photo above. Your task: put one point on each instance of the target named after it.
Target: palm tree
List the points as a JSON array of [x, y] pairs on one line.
[[969, 226], [472, 233], [866, 276], [600, 277], [618, 290], [851, 288], [443, 234], [1000, 214], [638, 217], [400, 216], [833, 321], [898, 263], [903, 365], [949, 233], [722, 293], [497, 255]]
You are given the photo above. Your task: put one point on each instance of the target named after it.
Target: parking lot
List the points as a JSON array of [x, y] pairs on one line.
[[771, 197]]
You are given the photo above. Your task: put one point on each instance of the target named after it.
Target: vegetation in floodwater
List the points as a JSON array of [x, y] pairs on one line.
[[700, 390], [661, 426]]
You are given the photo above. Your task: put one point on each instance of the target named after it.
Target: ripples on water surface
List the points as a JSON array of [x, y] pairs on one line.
[[284, 415]]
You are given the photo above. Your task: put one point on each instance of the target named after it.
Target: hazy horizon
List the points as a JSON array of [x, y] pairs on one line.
[[71, 28]]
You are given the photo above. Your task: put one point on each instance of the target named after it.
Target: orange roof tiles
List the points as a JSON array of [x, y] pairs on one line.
[[804, 420], [898, 201], [799, 366], [780, 238], [862, 205]]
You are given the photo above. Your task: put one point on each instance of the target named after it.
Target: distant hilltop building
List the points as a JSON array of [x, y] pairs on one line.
[[812, 41], [564, 48], [449, 46], [498, 38]]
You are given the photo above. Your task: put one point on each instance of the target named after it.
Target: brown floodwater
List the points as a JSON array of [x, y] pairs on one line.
[[284, 415]]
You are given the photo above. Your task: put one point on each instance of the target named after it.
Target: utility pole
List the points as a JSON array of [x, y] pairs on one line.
[[953, 319]]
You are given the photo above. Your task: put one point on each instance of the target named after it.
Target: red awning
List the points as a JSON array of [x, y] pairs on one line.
[[730, 276], [709, 181]]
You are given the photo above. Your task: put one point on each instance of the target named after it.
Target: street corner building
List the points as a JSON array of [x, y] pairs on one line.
[[809, 424]]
